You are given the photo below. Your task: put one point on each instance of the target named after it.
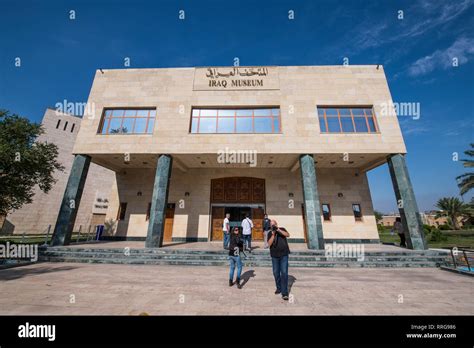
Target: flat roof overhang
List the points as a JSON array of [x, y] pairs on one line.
[[360, 161]]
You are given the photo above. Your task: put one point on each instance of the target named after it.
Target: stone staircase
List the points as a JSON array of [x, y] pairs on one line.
[[258, 258]]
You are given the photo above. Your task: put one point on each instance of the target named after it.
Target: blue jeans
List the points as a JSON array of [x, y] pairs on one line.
[[232, 261], [247, 240], [280, 273], [226, 239]]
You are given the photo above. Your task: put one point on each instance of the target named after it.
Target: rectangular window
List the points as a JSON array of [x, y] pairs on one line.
[[258, 120], [357, 212], [326, 212], [72, 128], [128, 121], [57, 124], [148, 210], [347, 120], [121, 212], [65, 126]]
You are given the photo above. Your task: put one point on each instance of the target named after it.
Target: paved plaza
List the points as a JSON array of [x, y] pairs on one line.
[[81, 289]]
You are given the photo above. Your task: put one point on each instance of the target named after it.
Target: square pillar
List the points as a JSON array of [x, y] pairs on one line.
[[312, 208], [406, 201], [71, 200], [156, 225]]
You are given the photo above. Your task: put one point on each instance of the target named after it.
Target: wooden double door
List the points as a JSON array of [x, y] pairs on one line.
[[237, 196]]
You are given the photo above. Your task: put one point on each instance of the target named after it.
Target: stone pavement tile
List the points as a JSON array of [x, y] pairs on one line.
[[133, 289]]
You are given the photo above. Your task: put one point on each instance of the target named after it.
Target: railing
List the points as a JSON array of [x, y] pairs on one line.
[[46, 236], [464, 252]]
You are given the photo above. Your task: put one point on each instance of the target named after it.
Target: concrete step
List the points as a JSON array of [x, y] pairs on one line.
[[225, 252], [247, 263], [260, 258], [209, 256]]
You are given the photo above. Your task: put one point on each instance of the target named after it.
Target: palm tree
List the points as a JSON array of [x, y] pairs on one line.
[[453, 208], [466, 181]]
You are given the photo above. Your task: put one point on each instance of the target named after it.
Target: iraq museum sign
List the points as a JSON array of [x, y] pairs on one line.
[[236, 78]]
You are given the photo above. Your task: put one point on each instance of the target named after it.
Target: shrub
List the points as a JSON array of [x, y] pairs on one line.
[[436, 236], [427, 228], [444, 227]]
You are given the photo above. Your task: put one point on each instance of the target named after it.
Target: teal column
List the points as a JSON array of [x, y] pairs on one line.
[[312, 208], [156, 226], [410, 216], [71, 200]]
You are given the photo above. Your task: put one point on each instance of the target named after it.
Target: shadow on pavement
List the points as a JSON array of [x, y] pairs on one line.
[[25, 271], [245, 277]]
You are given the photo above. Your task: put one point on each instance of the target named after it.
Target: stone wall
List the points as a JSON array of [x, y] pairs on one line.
[[301, 90]]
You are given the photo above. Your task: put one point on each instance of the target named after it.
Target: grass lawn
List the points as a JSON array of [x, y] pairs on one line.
[[460, 239]]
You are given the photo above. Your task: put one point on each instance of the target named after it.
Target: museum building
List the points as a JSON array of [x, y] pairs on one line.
[[188, 145]]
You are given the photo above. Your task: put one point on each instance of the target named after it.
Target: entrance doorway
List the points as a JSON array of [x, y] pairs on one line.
[[237, 212], [237, 196]]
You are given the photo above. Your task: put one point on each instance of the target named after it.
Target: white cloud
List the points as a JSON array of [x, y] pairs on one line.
[[462, 50], [419, 18], [438, 13]]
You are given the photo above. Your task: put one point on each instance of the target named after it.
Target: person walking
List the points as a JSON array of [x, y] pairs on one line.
[[226, 230], [247, 226], [398, 227], [279, 251], [267, 226], [236, 245]]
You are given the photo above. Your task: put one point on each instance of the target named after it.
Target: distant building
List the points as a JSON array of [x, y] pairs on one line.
[[428, 218], [61, 129], [388, 220]]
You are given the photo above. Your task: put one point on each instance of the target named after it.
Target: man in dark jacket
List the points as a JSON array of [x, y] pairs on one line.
[[236, 246], [279, 252]]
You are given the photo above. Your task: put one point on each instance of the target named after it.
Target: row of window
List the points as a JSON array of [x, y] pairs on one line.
[[326, 211], [128, 121], [241, 121], [235, 120], [65, 125], [347, 120]]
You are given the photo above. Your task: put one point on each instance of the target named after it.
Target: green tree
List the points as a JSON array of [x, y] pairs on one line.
[[453, 208], [24, 162], [466, 180], [378, 216]]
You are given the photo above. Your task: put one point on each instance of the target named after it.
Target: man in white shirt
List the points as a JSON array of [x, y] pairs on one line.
[[226, 230], [247, 226]]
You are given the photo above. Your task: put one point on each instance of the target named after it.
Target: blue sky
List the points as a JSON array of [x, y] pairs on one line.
[[59, 57]]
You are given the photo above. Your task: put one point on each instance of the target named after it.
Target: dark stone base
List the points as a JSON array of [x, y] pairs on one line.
[[139, 239], [188, 239], [353, 241], [122, 238], [197, 239], [296, 240]]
